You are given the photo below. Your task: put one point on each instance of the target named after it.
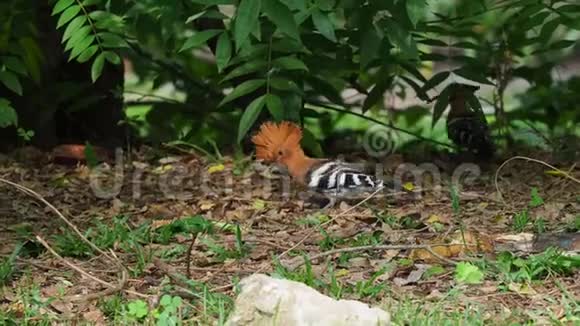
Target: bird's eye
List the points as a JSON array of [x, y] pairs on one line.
[[280, 153]]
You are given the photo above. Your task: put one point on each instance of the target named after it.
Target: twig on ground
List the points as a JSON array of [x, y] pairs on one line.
[[313, 230], [112, 256], [36, 195], [188, 254], [563, 183], [111, 288], [565, 174], [300, 261]]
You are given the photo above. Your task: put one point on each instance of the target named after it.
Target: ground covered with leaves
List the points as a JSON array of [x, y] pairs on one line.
[[168, 237]]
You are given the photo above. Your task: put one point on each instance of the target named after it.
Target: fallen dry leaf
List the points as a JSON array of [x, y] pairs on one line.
[[413, 277], [460, 244], [95, 316]]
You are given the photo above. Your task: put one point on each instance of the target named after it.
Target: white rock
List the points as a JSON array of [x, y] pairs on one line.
[[264, 300]]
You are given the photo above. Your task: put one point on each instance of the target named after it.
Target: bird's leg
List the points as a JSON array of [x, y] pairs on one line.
[[330, 204]]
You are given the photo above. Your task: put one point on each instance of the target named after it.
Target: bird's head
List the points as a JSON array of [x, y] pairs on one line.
[[278, 142]]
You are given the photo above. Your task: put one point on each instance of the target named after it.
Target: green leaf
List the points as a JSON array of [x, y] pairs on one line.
[[440, 105], [194, 17], [138, 309], [418, 90], [87, 54], [323, 24], [77, 37], [562, 44], [311, 143], [370, 44], [433, 57], [415, 10], [81, 46], [282, 17], [246, 20], [248, 67], [74, 25], [199, 38], [250, 115], [223, 51], [376, 94], [97, 67], [14, 64], [535, 198], [214, 2], [575, 9], [10, 80], [283, 84], [242, 89], [432, 42], [32, 57], [90, 156], [468, 273], [437, 79], [299, 5], [472, 75], [8, 116], [87, 3], [275, 106], [323, 87], [289, 63], [475, 105], [112, 57], [110, 40], [548, 30], [67, 15], [402, 39], [61, 5]]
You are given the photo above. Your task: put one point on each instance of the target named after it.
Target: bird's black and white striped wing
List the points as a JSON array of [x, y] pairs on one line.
[[341, 179]]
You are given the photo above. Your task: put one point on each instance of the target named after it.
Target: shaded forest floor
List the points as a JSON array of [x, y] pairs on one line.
[[487, 271]]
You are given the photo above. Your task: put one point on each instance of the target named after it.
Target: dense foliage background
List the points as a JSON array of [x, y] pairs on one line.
[[195, 68]]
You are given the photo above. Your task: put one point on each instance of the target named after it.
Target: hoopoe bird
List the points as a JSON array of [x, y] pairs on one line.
[[466, 127], [334, 179]]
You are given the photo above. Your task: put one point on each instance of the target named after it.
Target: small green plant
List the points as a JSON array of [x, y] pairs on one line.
[[313, 219], [241, 247], [551, 262], [25, 135], [102, 235], [194, 225], [366, 239], [535, 199], [7, 266], [389, 219], [468, 273], [540, 225], [520, 221], [137, 310], [434, 271], [90, 155], [574, 226], [455, 200], [370, 288], [328, 242], [169, 310], [69, 244]]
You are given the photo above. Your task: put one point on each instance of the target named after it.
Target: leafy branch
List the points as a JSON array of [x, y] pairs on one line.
[[87, 33]]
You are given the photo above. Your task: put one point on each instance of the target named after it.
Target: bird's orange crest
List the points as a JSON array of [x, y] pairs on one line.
[[273, 138]]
